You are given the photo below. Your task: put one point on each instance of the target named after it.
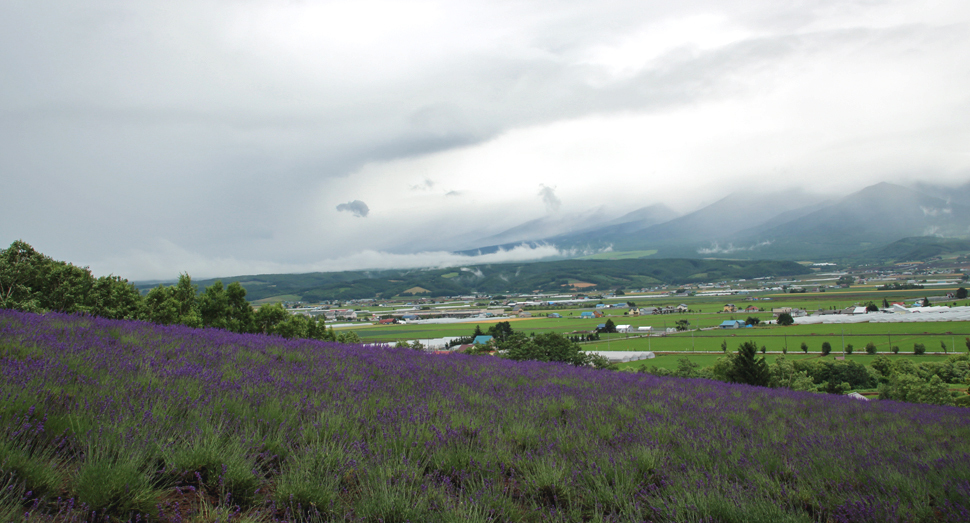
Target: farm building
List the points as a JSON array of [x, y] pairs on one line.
[[624, 328], [586, 314], [682, 307], [554, 315], [644, 329], [481, 340], [732, 324], [730, 307]]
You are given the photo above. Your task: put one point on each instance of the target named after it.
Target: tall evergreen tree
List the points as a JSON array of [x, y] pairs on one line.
[[745, 368]]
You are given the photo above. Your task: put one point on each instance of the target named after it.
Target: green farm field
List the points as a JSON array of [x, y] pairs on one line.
[[670, 360]]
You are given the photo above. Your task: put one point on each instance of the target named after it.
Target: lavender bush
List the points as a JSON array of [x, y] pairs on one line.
[[111, 420]]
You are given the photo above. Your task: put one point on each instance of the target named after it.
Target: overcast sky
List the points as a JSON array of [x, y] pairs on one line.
[[146, 139]]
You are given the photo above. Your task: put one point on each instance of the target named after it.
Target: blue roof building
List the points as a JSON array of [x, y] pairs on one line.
[[586, 314], [731, 324], [481, 340]]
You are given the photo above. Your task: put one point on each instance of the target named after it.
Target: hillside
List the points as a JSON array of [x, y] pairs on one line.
[[503, 278], [126, 421], [788, 225]]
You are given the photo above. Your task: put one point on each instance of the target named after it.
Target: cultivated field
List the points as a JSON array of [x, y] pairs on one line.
[[109, 420]]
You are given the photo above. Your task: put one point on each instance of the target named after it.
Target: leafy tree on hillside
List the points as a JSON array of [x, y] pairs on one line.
[[547, 346], [785, 319], [173, 305], [745, 368], [226, 308], [268, 316], [115, 298], [478, 332]]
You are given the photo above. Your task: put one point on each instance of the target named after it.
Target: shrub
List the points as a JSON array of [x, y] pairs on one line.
[[919, 348], [870, 348], [826, 348], [895, 349], [804, 347], [785, 319], [764, 349], [784, 350], [849, 349]]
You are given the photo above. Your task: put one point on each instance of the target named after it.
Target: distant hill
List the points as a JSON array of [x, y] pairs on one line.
[[506, 278], [870, 218], [918, 249], [786, 225]]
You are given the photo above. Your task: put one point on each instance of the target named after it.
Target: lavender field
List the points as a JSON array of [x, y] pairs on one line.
[[111, 420]]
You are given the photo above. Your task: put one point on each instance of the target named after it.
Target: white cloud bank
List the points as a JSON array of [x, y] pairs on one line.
[[155, 264]]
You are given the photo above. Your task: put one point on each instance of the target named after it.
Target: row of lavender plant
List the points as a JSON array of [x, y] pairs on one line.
[[112, 420]]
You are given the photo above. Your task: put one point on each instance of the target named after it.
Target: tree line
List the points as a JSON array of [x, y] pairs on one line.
[[33, 282], [896, 379]]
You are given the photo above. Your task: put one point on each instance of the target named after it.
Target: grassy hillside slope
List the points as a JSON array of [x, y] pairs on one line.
[[104, 419]]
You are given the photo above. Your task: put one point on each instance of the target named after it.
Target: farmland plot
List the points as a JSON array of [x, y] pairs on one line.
[[124, 420]]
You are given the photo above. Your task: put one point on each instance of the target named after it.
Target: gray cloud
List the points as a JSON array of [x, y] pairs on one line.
[[356, 207], [164, 125], [425, 185], [549, 198]]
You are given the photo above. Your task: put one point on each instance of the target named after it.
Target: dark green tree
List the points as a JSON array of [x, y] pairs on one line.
[[608, 327], [870, 348], [501, 331], [872, 307], [547, 346], [785, 319], [885, 303], [268, 316], [926, 302], [919, 349], [804, 347], [214, 306], [478, 332], [752, 321], [20, 270], [745, 368], [961, 293], [826, 348], [114, 297]]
